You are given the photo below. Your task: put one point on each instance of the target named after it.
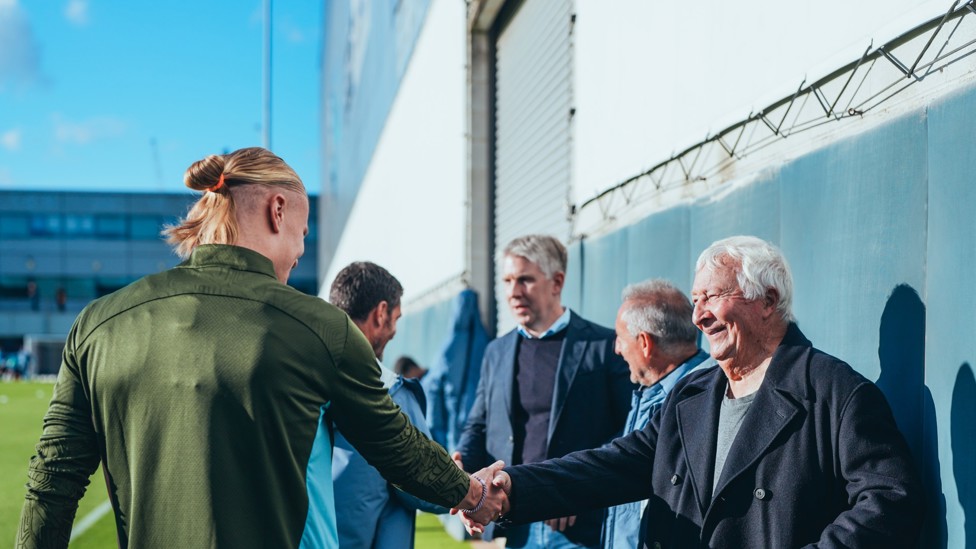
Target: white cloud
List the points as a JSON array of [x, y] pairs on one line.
[[294, 35], [20, 55], [10, 139], [5, 179], [84, 132], [76, 12], [291, 32]]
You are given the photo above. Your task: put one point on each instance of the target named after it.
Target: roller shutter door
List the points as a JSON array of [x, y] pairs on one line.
[[533, 101]]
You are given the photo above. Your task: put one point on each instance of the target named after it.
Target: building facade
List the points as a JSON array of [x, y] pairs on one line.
[[640, 132], [60, 250]]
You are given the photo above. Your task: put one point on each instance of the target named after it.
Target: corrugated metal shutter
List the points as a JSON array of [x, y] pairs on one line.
[[533, 147]]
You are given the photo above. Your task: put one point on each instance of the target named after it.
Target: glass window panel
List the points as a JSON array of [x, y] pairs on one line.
[[79, 225], [14, 225], [45, 225], [146, 227], [110, 226]]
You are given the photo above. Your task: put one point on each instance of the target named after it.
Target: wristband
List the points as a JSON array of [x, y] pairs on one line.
[[481, 502]]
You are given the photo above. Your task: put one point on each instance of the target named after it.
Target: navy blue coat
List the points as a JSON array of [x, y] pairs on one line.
[[817, 461], [590, 403]]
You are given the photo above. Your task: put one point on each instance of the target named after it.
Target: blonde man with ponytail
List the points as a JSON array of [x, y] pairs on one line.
[[244, 191], [208, 392]]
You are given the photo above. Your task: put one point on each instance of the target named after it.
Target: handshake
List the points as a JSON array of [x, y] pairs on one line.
[[495, 486]]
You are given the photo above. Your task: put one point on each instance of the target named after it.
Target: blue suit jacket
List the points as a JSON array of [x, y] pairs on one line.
[[590, 402], [370, 512]]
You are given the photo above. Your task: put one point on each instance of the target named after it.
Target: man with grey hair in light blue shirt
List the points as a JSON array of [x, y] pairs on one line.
[[657, 339]]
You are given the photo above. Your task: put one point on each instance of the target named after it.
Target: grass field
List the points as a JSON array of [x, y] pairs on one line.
[[22, 406]]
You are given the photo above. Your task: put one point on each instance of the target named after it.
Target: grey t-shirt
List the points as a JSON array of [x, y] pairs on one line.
[[730, 417]]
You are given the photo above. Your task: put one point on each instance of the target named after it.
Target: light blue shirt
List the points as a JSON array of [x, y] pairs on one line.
[[622, 525], [558, 325]]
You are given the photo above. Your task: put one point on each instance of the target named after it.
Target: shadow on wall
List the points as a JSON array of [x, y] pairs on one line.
[[901, 351], [963, 432]]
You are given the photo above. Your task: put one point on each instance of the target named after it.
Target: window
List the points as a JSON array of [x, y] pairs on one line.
[[146, 227], [110, 226], [79, 225], [45, 225], [14, 225]]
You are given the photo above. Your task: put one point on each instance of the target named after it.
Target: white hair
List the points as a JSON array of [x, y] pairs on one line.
[[759, 266]]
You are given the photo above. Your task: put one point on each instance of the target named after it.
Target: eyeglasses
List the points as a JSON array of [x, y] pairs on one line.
[[702, 299]]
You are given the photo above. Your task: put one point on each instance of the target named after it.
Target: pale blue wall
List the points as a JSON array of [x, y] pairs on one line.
[[950, 345], [880, 230]]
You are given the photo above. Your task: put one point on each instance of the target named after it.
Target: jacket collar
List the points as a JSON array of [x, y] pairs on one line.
[[558, 325], [794, 344], [669, 381], [770, 413], [781, 375], [234, 257]]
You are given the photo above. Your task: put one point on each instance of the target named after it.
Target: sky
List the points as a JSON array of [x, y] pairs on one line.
[[124, 96]]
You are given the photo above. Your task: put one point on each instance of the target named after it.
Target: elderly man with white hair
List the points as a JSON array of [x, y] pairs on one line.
[[783, 445]]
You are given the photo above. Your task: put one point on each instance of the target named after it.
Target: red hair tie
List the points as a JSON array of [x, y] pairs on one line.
[[220, 183]]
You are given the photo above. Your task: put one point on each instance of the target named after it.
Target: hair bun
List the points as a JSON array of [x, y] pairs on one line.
[[204, 174]]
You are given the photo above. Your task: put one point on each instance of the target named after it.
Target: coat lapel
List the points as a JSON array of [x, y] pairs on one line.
[[506, 371], [573, 351], [767, 417], [697, 418], [772, 410]]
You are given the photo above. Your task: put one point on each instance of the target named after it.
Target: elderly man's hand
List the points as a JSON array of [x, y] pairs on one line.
[[498, 486]]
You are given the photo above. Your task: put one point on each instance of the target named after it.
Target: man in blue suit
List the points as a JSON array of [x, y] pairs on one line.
[[549, 387]]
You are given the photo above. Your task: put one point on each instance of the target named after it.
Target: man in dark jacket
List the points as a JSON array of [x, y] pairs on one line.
[[549, 387], [782, 446]]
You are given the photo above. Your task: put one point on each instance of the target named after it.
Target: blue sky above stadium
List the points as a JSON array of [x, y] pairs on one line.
[[124, 96]]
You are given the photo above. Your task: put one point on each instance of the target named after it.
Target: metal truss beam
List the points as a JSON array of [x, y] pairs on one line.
[[840, 95]]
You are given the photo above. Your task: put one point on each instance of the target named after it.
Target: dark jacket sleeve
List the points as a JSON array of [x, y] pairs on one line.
[[617, 473], [881, 484]]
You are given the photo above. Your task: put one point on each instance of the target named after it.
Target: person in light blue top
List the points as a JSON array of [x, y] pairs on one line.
[[659, 342], [370, 512]]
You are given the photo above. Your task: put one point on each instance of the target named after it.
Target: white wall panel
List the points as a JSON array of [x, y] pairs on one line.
[[409, 214], [652, 78]]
